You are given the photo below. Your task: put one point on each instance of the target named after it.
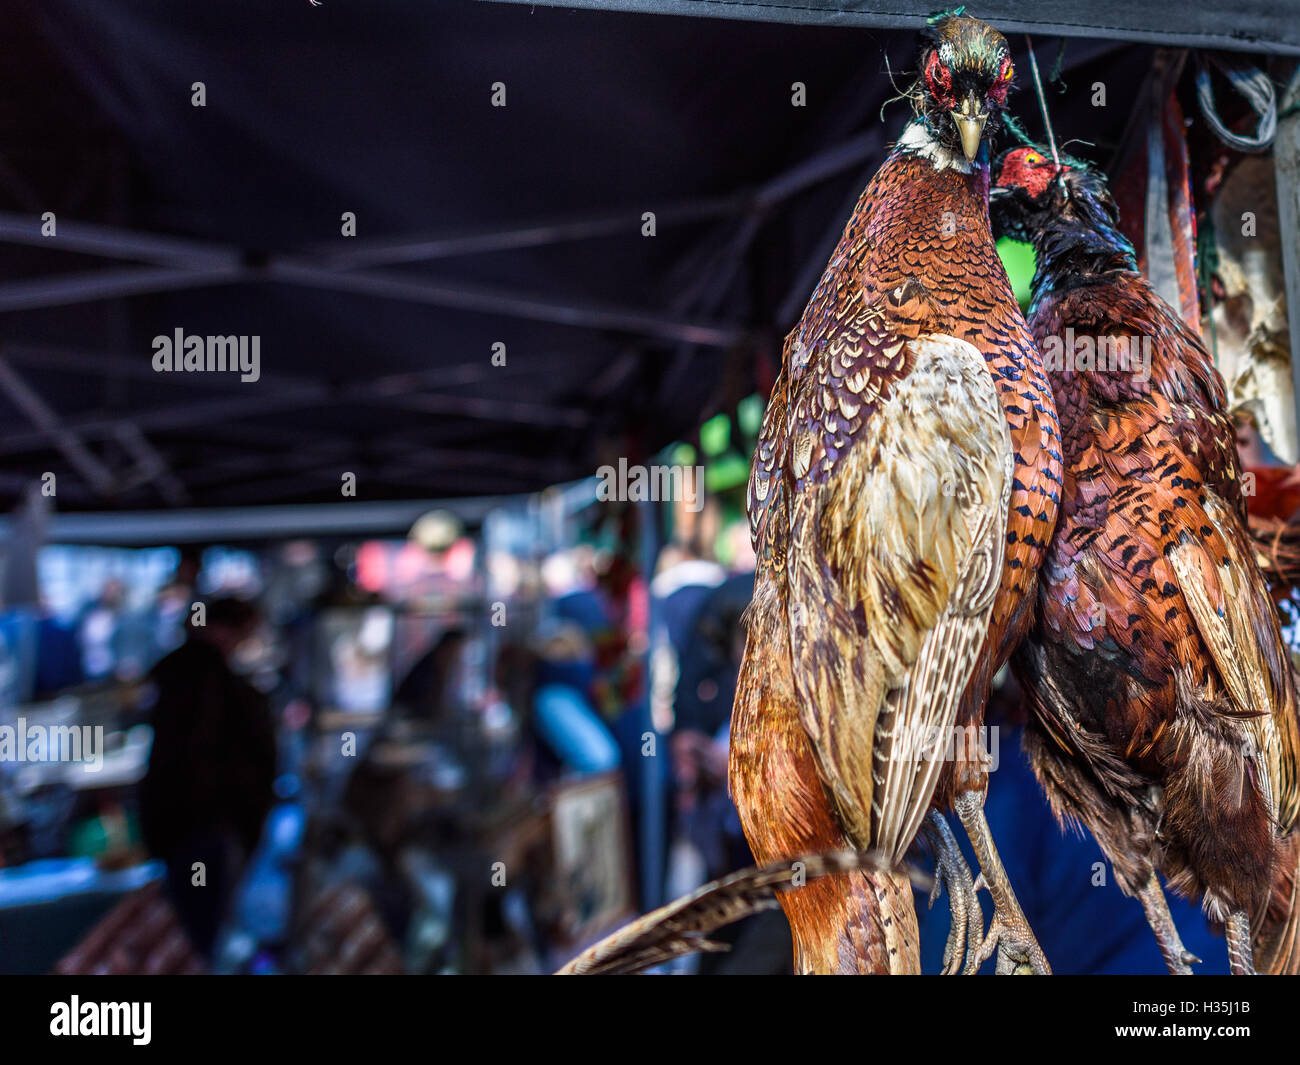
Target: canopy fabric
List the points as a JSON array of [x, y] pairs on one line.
[[1268, 26]]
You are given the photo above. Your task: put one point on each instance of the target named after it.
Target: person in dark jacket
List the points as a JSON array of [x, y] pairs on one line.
[[209, 784], [428, 692]]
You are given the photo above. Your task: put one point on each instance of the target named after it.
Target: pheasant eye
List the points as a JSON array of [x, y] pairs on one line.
[[1002, 83], [1033, 158]]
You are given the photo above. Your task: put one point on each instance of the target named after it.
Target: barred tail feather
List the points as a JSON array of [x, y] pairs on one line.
[[882, 898]]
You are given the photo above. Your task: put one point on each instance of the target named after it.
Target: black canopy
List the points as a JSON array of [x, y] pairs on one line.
[[476, 225], [1269, 26]]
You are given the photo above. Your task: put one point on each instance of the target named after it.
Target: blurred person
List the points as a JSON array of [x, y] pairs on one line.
[[208, 788], [684, 581], [710, 657], [618, 686], [430, 690], [58, 656], [705, 818], [174, 600], [99, 630], [615, 618], [119, 638], [549, 687]]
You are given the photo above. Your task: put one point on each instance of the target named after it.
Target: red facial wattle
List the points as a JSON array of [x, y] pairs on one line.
[[939, 80]]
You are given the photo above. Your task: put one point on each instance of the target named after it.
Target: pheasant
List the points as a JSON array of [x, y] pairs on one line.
[[1163, 703], [903, 492]]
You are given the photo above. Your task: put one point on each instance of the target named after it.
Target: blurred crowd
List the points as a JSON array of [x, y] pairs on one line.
[[307, 725]]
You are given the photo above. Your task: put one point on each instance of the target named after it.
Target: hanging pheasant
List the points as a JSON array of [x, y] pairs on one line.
[[903, 492], [1164, 706]]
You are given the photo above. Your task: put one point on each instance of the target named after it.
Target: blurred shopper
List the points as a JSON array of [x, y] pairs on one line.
[[100, 630], [684, 581], [208, 788], [430, 692], [549, 686], [709, 658], [706, 821], [171, 606]]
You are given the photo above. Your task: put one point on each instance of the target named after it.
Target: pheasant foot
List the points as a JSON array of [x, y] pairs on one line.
[[1178, 959], [951, 872], [1009, 932], [1241, 961]]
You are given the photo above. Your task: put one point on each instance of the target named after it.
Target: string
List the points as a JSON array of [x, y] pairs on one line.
[[1042, 101]]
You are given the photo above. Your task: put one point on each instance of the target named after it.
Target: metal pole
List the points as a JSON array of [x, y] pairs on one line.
[[653, 821]]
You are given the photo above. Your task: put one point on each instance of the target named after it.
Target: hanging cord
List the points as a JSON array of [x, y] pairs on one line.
[[1014, 127], [1042, 101], [1253, 84]]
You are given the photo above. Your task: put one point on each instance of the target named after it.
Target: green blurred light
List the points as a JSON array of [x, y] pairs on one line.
[[681, 455], [1018, 260], [715, 434], [749, 414], [730, 471]]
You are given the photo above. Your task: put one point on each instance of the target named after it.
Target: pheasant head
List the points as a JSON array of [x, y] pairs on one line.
[[966, 73], [1063, 208]]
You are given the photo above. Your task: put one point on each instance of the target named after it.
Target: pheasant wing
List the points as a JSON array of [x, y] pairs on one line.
[[1240, 629], [1167, 536], [899, 463]]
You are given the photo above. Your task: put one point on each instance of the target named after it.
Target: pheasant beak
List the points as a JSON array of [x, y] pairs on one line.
[[970, 125]]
